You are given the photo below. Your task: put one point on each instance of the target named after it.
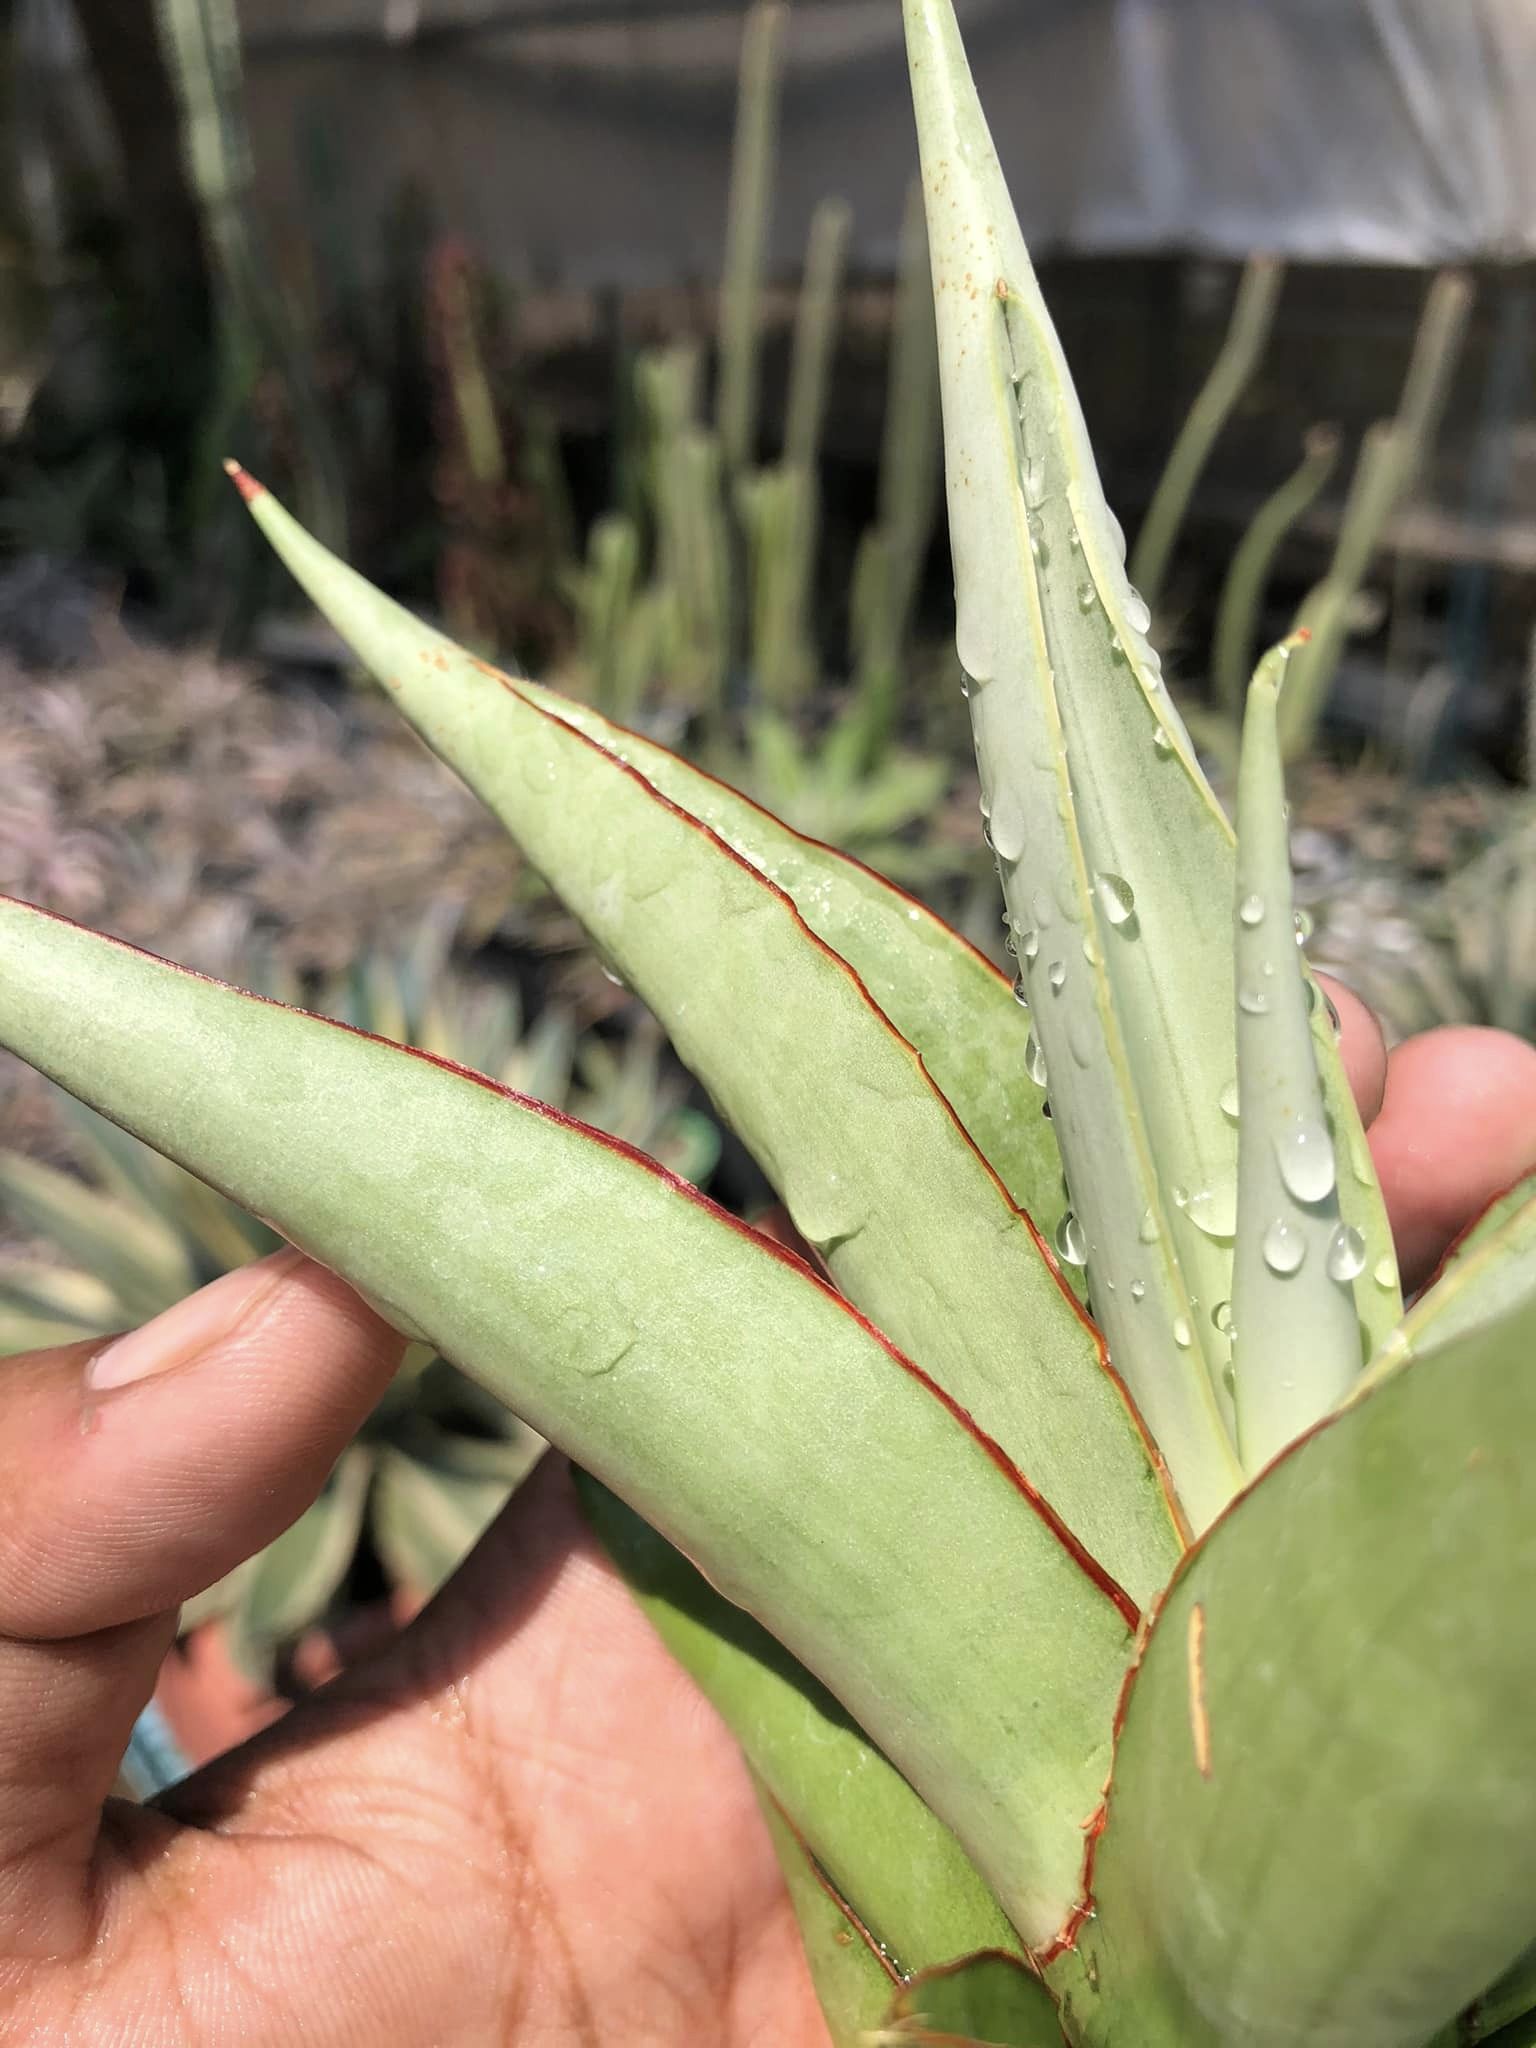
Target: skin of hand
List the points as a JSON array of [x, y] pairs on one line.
[[518, 1823]]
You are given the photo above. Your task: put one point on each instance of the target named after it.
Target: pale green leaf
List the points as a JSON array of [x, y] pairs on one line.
[[1322, 1823], [875, 1171], [852, 1981], [706, 1376], [911, 1884], [1116, 861], [982, 2001], [1296, 1337]]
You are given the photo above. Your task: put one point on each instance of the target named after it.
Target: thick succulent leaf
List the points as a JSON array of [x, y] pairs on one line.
[[1322, 1823], [853, 1981], [1116, 860], [867, 1157], [1491, 1272], [1296, 1341], [708, 1377], [948, 1001], [1511, 1999], [907, 1879], [217, 1235], [980, 2001]]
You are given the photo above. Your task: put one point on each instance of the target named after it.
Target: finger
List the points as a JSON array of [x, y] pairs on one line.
[[1361, 1046], [135, 1474], [1457, 1127]]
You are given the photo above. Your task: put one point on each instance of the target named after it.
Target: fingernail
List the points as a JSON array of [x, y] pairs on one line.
[[179, 1335]]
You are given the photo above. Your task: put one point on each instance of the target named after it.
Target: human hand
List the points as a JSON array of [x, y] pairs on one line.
[[518, 1824]]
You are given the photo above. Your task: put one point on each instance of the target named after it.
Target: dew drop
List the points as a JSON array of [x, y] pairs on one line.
[[1182, 1335], [1020, 992], [1305, 1155], [986, 833], [1149, 1231], [1181, 1198], [1034, 480], [1229, 1378], [1346, 1254], [1071, 1245], [1116, 898], [1213, 1209], [1075, 540], [1252, 1001], [1058, 973], [1029, 945], [1228, 1102], [1090, 950], [1161, 744], [1117, 649], [1384, 1273], [965, 685], [1221, 1316], [1087, 597], [1034, 1061], [1251, 910], [1138, 1290], [1304, 927], [1138, 615], [1284, 1247]]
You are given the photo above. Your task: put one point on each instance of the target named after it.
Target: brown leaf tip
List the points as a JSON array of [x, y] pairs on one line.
[[244, 482]]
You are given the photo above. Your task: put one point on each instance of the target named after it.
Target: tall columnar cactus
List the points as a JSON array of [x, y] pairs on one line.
[[1148, 1678]]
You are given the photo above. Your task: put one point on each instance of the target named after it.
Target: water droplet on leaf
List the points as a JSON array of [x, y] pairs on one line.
[[1058, 973], [1116, 898], [1253, 1001], [1228, 1102], [1346, 1254], [1305, 1155], [1251, 910], [1034, 1061], [1284, 1247], [1071, 1245]]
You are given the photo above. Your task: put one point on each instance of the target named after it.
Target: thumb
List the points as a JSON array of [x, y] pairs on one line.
[[135, 1474]]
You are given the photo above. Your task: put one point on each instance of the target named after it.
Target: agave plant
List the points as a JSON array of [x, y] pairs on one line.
[[132, 1233], [1149, 1676]]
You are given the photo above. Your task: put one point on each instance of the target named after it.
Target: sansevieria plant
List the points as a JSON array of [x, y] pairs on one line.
[[1147, 1668]]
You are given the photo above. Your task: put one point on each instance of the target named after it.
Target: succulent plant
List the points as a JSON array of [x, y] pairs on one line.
[[1149, 1676], [438, 1458]]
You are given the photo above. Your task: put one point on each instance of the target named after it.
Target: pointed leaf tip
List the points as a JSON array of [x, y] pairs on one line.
[[243, 481]]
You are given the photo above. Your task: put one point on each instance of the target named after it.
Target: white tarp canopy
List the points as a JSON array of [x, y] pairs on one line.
[[588, 139]]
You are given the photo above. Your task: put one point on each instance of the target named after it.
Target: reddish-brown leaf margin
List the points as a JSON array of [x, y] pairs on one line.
[[1087, 1564]]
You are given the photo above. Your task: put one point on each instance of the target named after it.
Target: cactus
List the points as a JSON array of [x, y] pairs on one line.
[[1393, 456], [1243, 592], [1176, 1701], [746, 235], [1253, 312]]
